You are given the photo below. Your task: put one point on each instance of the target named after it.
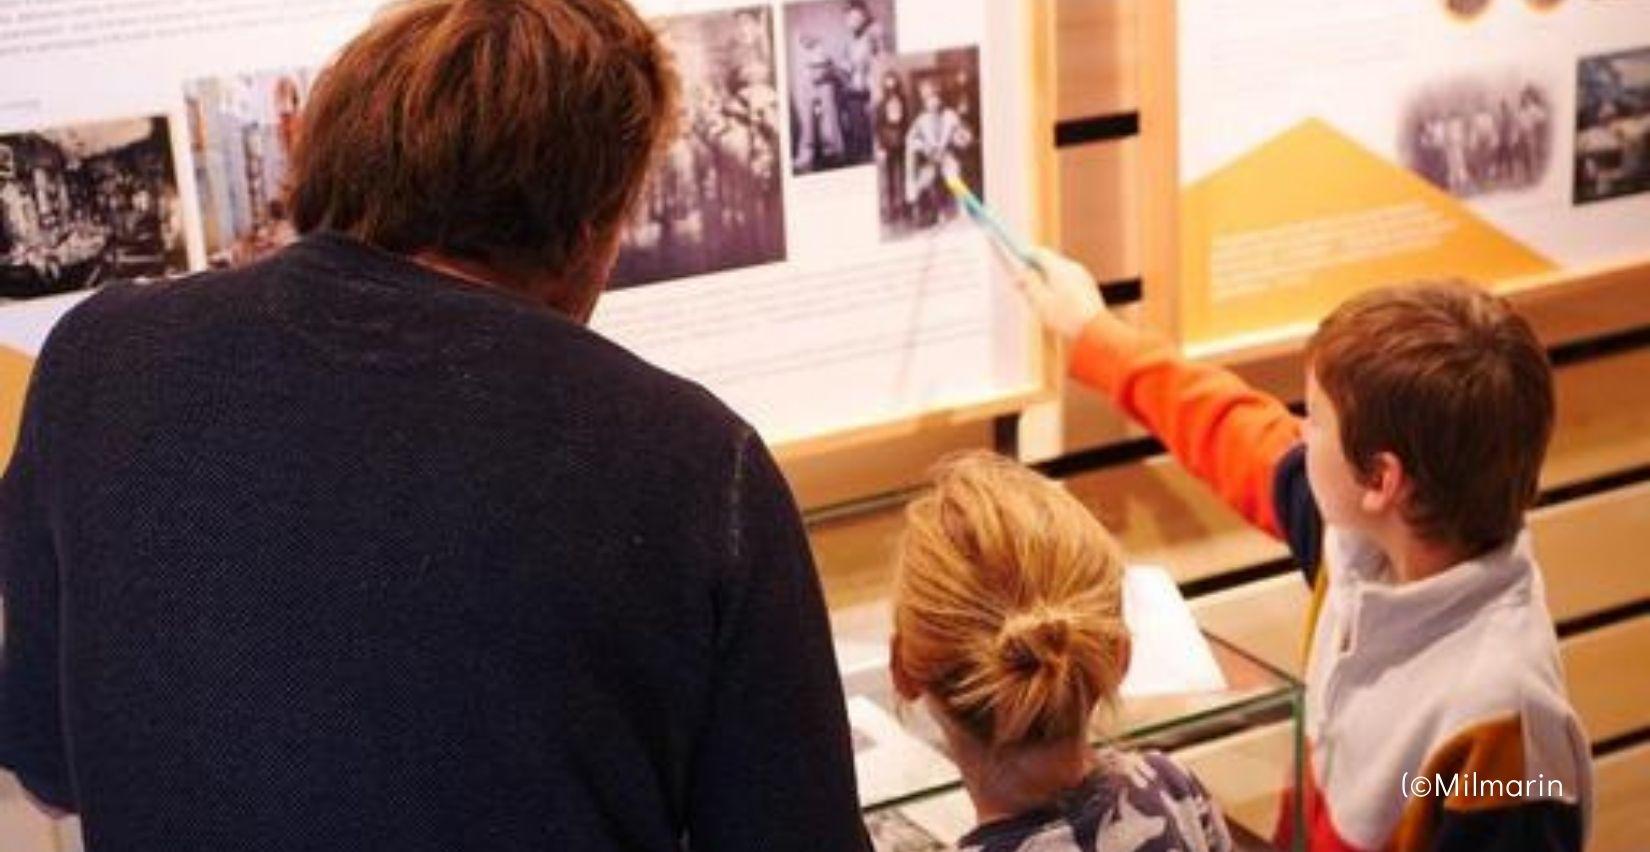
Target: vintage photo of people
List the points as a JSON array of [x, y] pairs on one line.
[[715, 201], [927, 123], [1473, 136], [241, 132], [838, 50], [86, 204], [1612, 147]]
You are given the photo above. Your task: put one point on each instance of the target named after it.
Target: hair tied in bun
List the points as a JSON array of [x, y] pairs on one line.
[[1034, 640]]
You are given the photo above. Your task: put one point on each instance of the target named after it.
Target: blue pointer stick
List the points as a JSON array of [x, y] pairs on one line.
[[983, 217]]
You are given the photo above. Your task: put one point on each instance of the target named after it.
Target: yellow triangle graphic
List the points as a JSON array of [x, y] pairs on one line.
[[1283, 234], [14, 382]]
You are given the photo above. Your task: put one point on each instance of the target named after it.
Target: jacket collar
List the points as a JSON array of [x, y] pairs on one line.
[[1390, 618]]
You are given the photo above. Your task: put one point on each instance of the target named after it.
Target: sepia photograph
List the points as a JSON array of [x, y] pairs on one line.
[[241, 132], [839, 50], [927, 125], [1474, 136], [86, 204], [1612, 147], [715, 201]]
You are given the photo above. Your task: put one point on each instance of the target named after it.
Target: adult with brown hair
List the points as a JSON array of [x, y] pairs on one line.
[[373, 545], [1008, 629]]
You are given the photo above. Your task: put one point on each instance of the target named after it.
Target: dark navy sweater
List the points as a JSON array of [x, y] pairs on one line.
[[334, 552]]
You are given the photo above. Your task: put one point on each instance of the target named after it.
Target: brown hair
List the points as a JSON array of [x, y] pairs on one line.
[[516, 133], [1452, 382], [1008, 604]]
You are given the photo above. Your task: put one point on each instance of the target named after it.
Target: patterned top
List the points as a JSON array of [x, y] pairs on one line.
[[1143, 802]]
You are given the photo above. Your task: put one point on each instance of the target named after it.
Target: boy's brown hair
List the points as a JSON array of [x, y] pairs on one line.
[[1452, 382], [511, 132]]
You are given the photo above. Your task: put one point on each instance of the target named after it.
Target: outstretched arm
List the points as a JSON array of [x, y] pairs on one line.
[[1227, 433]]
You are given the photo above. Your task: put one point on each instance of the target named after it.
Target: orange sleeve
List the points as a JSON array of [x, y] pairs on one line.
[[1225, 432]]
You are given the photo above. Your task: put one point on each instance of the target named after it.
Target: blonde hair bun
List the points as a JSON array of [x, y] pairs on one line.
[[1034, 641], [1008, 602]]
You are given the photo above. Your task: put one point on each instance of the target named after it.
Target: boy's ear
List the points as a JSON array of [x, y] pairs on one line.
[[904, 686], [1384, 487]]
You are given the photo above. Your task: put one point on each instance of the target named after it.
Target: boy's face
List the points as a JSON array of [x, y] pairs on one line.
[[1342, 499]]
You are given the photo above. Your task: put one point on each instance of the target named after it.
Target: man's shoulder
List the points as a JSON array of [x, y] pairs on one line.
[[101, 321], [524, 344], [615, 379], [127, 302]]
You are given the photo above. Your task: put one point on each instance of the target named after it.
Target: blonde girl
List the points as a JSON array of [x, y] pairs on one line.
[[1009, 631]]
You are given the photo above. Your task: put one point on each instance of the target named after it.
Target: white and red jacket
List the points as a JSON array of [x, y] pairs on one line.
[[1454, 679]]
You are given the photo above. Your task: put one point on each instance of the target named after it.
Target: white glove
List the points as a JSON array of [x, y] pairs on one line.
[[1062, 293]]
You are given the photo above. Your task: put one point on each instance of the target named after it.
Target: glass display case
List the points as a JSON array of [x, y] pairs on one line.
[[1244, 741]]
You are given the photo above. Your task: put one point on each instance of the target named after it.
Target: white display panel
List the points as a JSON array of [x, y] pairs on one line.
[[781, 265], [1326, 146]]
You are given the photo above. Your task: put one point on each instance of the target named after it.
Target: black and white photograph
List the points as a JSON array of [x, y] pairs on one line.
[[1475, 136], [892, 831], [715, 201], [241, 132], [1612, 148], [839, 50], [927, 122], [86, 204]]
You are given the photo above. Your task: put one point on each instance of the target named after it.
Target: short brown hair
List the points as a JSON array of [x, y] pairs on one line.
[[1452, 382], [510, 132], [1009, 603]]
